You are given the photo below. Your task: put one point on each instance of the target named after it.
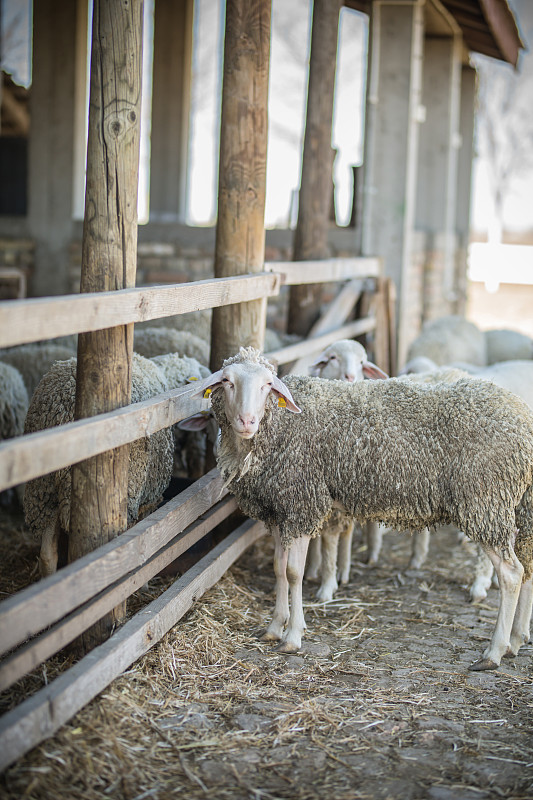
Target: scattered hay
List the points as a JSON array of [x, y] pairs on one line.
[[377, 704]]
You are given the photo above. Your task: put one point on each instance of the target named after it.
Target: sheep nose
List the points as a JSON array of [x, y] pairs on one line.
[[349, 377], [247, 420]]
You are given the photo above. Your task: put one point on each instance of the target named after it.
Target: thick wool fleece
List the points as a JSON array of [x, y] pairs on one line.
[[47, 498], [405, 454]]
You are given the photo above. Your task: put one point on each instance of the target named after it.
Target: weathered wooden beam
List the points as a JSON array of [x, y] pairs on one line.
[[37, 650], [98, 509], [39, 717], [325, 270], [43, 603], [240, 235], [48, 317], [311, 234]]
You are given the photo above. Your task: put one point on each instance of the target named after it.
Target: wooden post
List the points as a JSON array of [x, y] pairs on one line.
[[109, 256], [311, 235], [240, 236]]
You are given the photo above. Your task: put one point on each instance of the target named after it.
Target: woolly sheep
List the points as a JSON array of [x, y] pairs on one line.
[[448, 339], [405, 454], [330, 553], [150, 342], [47, 498], [13, 408], [34, 360], [507, 345]]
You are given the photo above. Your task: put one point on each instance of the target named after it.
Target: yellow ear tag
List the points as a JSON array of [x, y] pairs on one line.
[[207, 392], [282, 403], [193, 378]]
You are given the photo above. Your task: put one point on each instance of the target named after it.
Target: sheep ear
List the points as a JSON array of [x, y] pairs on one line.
[[196, 422], [370, 370], [282, 391], [314, 368], [207, 384]]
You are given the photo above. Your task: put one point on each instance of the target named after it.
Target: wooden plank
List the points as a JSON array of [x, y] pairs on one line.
[[295, 351], [325, 270], [43, 603], [42, 715], [34, 454], [44, 317], [29, 656]]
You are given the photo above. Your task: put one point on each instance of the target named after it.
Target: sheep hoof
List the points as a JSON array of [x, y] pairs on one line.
[[483, 664], [287, 647], [270, 636]]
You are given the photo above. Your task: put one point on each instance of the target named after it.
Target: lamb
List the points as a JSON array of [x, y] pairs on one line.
[[34, 360], [331, 552], [405, 454], [47, 498], [150, 342]]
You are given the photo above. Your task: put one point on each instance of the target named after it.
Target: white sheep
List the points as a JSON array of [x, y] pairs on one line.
[[406, 454], [34, 360], [507, 345], [150, 342], [448, 339], [517, 377], [330, 554], [47, 498]]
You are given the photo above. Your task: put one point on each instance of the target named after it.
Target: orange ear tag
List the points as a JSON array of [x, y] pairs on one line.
[[282, 403], [207, 392]]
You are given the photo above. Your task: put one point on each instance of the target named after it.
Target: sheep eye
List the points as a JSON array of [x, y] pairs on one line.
[[227, 382], [333, 357]]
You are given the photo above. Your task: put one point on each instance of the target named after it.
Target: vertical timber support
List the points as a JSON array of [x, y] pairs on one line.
[[170, 109], [51, 144], [240, 235], [393, 112], [437, 171], [464, 183], [109, 256], [311, 234]]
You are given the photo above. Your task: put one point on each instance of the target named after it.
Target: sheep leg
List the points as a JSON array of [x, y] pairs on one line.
[[419, 549], [374, 539], [292, 640], [314, 559], [330, 544], [274, 631], [49, 550], [482, 577], [510, 572], [520, 631], [344, 558]]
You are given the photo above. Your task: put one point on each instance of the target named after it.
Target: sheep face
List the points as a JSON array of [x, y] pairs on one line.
[[345, 360], [246, 387]]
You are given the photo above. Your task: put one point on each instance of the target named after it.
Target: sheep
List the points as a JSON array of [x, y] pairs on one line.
[[149, 342], [13, 409], [47, 498], [448, 339], [34, 360], [405, 454], [517, 377], [331, 552], [190, 446], [507, 345]]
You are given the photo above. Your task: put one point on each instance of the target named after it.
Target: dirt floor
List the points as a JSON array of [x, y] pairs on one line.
[[379, 703]]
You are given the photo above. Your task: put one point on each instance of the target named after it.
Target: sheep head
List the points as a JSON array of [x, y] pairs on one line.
[[247, 380], [345, 360]]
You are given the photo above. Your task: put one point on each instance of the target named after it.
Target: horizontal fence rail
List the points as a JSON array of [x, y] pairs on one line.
[[39, 318]]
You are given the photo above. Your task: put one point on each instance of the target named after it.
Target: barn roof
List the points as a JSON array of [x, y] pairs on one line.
[[488, 26]]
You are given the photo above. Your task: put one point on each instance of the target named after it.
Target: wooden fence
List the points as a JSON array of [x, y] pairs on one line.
[[46, 616]]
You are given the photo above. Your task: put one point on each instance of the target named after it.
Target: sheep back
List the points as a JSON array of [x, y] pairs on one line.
[[13, 402]]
